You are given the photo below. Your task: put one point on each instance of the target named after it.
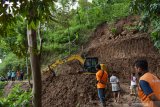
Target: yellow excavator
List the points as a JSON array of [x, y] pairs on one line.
[[88, 63]]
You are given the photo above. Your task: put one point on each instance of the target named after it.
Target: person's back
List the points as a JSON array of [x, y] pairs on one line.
[[21, 75], [115, 86], [13, 75], [18, 75], [115, 83], [113, 79], [9, 75]]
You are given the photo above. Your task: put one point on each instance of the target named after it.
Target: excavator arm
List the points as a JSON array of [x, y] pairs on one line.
[[71, 58], [76, 57]]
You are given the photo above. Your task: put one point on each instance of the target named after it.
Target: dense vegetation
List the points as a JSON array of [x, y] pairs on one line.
[[63, 36], [16, 98], [149, 10], [2, 85]]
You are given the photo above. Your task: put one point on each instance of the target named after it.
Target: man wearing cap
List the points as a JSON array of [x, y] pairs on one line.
[[102, 78]]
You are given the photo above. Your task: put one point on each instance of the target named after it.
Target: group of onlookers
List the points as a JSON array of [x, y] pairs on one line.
[[143, 83], [12, 75]]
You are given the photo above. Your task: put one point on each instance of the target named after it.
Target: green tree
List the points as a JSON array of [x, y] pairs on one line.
[[150, 18], [35, 12]]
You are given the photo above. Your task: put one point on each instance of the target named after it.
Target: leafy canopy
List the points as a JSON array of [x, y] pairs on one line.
[[150, 17]]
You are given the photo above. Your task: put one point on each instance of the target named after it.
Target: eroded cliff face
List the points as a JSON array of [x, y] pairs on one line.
[[120, 49]]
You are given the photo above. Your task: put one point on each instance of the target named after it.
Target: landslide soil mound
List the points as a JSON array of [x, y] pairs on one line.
[[69, 91], [79, 90], [118, 46]]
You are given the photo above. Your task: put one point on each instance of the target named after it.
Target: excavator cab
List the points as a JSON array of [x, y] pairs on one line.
[[90, 64]]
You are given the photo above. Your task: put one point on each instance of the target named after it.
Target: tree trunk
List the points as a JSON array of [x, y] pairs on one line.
[[41, 42], [35, 66], [28, 71]]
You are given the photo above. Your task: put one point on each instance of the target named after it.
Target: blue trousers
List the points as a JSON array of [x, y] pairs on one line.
[[101, 94]]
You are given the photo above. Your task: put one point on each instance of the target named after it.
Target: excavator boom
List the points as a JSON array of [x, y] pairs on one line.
[[88, 63], [71, 58]]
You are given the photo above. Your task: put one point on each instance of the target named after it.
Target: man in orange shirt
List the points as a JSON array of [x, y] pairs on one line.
[[102, 78], [149, 85]]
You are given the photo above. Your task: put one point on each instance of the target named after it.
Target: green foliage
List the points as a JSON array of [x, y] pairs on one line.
[[16, 98], [113, 30], [15, 40], [65, 29], [29, 13], [150, 20], [155, 33], [130, 28], [76, 25], [2, 85], [11, 61]]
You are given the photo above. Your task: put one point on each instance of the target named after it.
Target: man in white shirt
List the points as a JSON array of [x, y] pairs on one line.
[[115, 86]]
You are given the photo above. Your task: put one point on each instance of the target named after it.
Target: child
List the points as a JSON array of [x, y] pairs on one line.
[[133, 84], [115, 87]]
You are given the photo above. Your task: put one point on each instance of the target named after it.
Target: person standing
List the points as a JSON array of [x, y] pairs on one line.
[[115, 86], [18, 75], [21, 75], [9, 75], [148, 86], [133, 84], [13, 75], [102, 78]]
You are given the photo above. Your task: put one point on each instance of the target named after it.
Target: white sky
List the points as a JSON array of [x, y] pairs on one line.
[[0, 60], [10, 4], [89, 0], [72, 7]]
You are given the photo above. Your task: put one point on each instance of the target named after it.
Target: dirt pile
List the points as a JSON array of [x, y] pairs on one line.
[[72, 67], [118, 46], [78, 90], [69, 90]]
